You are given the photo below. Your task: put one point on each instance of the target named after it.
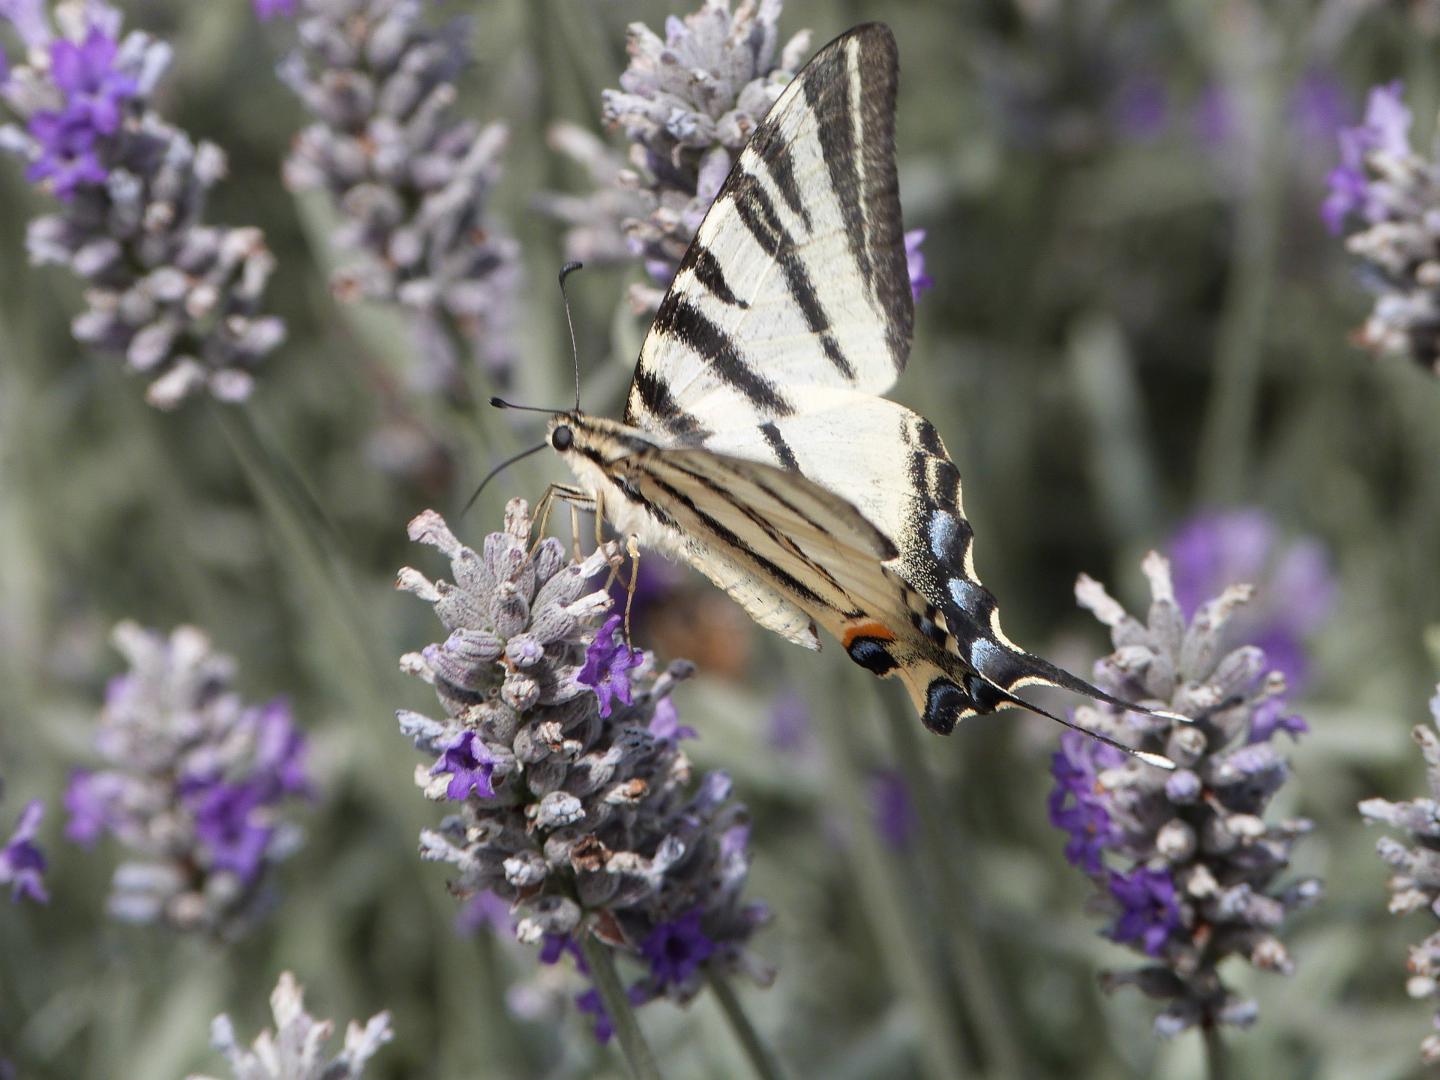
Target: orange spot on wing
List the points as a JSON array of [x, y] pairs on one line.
[[866, 628]]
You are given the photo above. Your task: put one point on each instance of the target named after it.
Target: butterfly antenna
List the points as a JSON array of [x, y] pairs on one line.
[[496, 472], [1160, 761], [565, 271]]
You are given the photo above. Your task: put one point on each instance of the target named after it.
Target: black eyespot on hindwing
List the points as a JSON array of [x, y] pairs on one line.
[[945, 705], [871, 654]]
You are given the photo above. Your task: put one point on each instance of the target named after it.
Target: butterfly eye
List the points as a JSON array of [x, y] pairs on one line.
[[562, 437]]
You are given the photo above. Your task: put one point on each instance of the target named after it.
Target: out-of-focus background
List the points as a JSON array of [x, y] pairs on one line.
[[1138, 318]]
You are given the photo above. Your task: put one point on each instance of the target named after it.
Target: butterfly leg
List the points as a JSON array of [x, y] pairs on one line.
[[632, 548], [566, 493]]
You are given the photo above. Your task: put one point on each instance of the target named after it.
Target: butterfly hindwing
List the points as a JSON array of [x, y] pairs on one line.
[[797, 276]]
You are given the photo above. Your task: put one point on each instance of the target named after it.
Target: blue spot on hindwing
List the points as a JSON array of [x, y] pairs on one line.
[[973, 600]]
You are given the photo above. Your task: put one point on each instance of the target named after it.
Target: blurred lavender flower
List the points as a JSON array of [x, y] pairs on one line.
[[410, 178], [268, 9], [194, 787], [178, 299], [296, 1048], [1184, 861], [1388, 196], [1415, 883], [893, 809], [1140, 106], [1295, 585], [915, 259], [789, 724], [687, 104], [21, 862], [592, 822]]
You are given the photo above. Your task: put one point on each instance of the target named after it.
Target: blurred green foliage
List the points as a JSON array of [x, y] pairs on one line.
[[1125, 328]]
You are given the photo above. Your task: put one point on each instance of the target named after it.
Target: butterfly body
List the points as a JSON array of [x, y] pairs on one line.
[[755, 443]]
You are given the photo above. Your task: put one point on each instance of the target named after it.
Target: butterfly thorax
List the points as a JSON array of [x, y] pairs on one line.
[[596, 449]]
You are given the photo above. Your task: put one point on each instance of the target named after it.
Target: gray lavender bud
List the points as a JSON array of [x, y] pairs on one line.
[[296, 1049], [408, 176], [1415, 882], [687, 104], [1198, 861], [570, 797], [193, 786], [179, 300]]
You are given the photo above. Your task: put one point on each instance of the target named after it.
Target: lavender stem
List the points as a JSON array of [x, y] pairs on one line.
[[762, 1059], [1216, 1060], [601, 962]]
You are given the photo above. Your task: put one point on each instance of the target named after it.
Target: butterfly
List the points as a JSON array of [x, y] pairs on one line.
[[756, 445]]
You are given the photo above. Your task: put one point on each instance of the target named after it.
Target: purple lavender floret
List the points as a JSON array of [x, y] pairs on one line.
[[194, 786], [1386, 131], [1077, 803], [1295, 586], [608, 663], [22, 863], [1184, 861], [1149, 912], [591, 820], [915, 262], [180, 301], [266, 10]]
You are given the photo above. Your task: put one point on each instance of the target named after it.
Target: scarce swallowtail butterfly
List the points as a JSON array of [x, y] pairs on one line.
[[756, 445]]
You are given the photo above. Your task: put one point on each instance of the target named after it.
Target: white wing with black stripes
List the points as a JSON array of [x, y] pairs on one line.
[[755, 444], [797, 277]]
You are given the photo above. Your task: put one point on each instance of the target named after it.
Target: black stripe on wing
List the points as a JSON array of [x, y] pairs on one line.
[[852, 95], [682, 320]]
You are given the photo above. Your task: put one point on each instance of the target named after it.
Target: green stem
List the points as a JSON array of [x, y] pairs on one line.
[[883, 893], [1217, 1062], [941, 848], [762, 1059], [1225, 439], [302, 528], [601, 962]]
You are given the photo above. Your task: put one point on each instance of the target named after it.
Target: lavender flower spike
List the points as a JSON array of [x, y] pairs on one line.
[[21, 862], [687, 104], [193, 785], [589, 819], [179, 300], [1388, 195], [409, 177], [296, 1049], [1184, 860], [1415, 883]]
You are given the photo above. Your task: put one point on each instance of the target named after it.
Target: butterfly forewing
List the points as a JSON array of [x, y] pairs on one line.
[[797, 276]]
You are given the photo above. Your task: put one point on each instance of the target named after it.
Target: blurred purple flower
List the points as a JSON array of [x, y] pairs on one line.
[[90, 803], [93, 94], [483, 911], [608, 663], [1140, 107], [665, 724], [268, 9], [789, 723], [1149, 913], [470, 766], [230, 825], [1385, 130], [1320, 106], [676, 949], [192, 785], [1214, 117], [1294, 582], [915, 259], [31, 21], [21, 862], [1077, 803], [892, 808]]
